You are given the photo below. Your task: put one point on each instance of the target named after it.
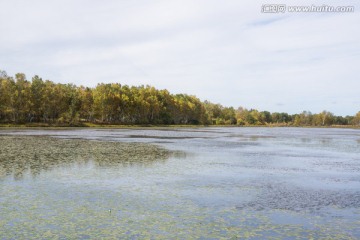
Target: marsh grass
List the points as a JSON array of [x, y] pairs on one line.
[[22, 154]]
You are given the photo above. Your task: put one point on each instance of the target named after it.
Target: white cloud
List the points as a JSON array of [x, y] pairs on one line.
[[227, 52]]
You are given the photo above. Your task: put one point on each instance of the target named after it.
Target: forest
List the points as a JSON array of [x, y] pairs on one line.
[[42, 101]]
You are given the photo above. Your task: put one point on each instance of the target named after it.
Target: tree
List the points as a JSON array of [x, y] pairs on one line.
[[102, 104], [228, 114], [3, 74], [7, 100], [37, 99], [21, 98], [356, 119], [327, 118], [23, 101], [303, 119], [86, 107], [242, 115], [266, 116]]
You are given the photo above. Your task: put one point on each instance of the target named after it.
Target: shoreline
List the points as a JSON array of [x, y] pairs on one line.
[[145, 126]]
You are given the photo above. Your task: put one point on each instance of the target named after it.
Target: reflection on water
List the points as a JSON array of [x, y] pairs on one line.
[[210, 183], [33, 155]]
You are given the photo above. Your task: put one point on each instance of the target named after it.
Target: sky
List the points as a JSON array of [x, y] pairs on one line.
[[227, 52]]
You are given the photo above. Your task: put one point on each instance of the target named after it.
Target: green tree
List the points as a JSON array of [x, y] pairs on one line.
[[21, 98], [242, 115], [266, 116], [86, 110], [356, 119], [23, 101], [303, 119], [37, 102], [229, 116], [7, 98]]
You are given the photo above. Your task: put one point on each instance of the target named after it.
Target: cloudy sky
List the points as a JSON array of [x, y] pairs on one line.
[[228, 52]]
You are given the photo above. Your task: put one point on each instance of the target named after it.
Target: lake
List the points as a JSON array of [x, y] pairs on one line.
[[185, 183]]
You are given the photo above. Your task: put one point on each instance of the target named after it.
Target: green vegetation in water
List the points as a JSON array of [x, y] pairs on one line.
[[134, 218], [21, 154], [49, 208]]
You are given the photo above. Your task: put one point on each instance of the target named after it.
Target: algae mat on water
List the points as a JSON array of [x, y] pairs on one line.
[[33, 154], [130, 191]]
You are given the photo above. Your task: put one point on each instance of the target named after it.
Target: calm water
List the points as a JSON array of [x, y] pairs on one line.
[[288, 183]]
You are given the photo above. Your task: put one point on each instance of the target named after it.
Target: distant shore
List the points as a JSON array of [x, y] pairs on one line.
[[119, 126]]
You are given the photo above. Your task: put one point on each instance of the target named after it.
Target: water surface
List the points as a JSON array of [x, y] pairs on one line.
[[217, 182]]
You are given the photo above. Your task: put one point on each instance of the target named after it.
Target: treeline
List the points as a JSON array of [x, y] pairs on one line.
[[39, 101], [306, 118]]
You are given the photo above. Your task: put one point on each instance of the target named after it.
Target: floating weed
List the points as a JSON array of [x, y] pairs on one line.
[[46, 209], [20, 156]]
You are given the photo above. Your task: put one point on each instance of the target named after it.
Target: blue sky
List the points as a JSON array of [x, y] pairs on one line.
[[227, 52]]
